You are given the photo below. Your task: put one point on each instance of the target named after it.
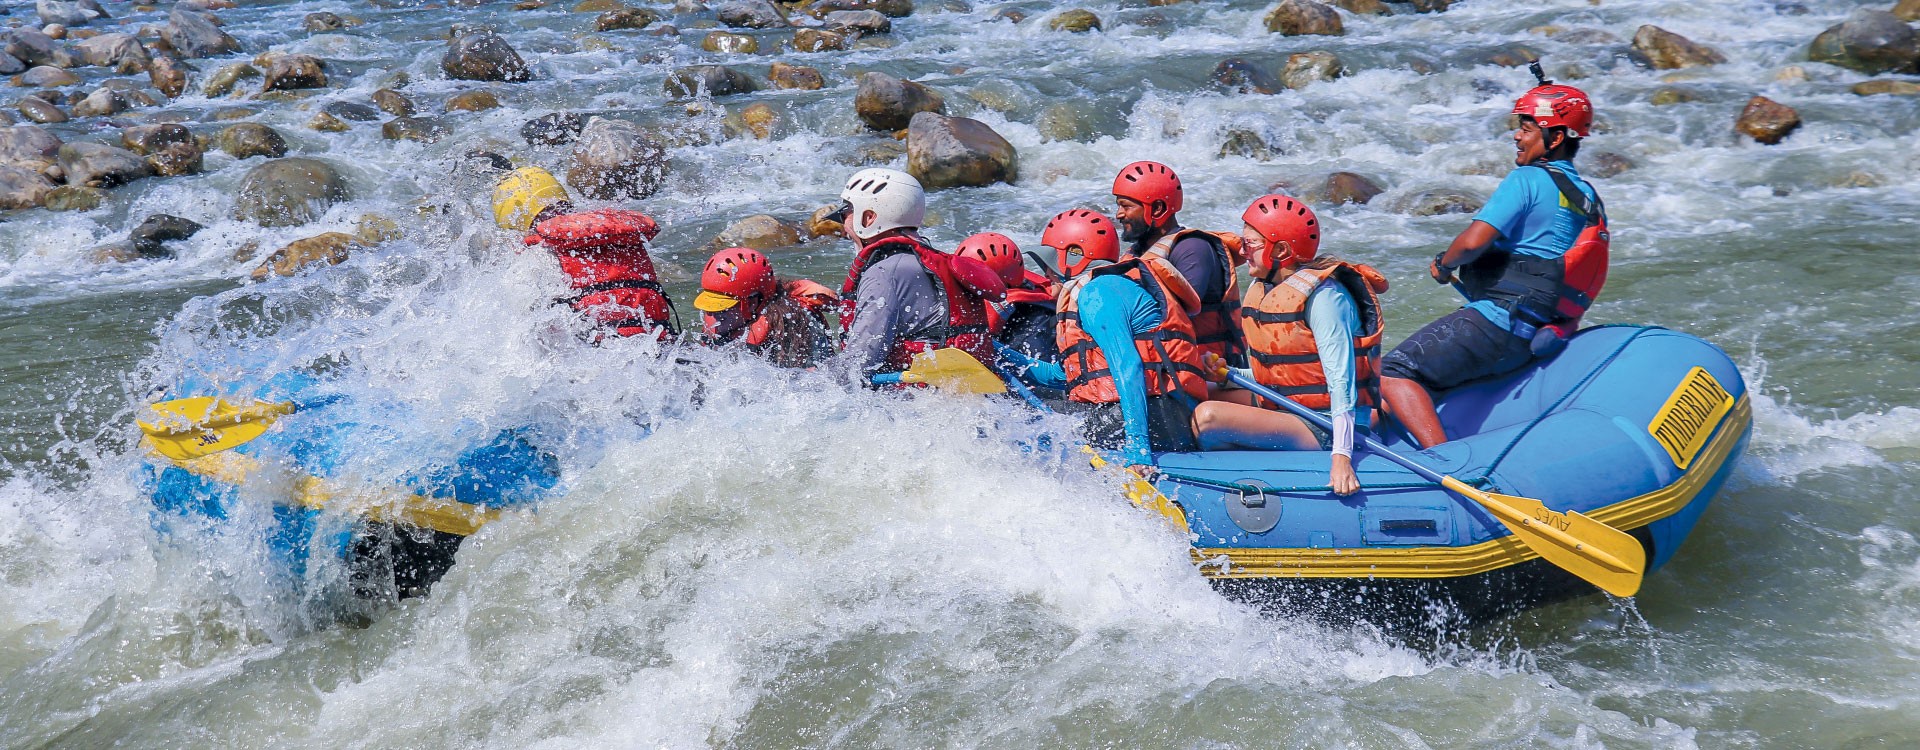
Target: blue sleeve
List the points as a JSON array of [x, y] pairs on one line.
[[1195, 260], [1507, 210], [1112, 310], [1033, 369], [1333, 317]]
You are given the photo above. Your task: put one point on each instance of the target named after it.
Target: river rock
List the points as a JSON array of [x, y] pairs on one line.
[[421, 129], [892, 8], [557, 129], [1431, 6], [1440, 201], [193, 34], [102, 102], [614, 159], [1767, 121], [1239, 75], [858, 22], [323, 21], [888, 103], [818, 40], [1076, 21], [945, 152], [28, 147], [818, 225], [1605, 165], [716, 80], [1886, 86], [597, 6], [796, 77], [757, 119], [163, 228], [1343, 187], [64, 13], [759, 232], [331, 248], [327, 122], [100, 165], [1011, 15], [1305, 68], [21, 187], [146, 139], [751, 14], [1869, 41], [1363, 7], [351, 111], [289, 72], [1907, 10], [472, 101], [1661, 49], [1065, 121], [1303, 18], [730, 43], [227, 77], [41, 111], [250, 139], [625, 19], [393, 103], [1243, 142], [483, 56], [46, 76], [75, 198], [288, 192], [35, 48], [10, 65], [112, 50], [175, 159], [168, 74]]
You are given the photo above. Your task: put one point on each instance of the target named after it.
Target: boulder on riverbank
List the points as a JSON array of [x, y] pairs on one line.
[[1767, 121], [945, 152], [887, 103], [615, 159], [1869, 41], [288, 192]]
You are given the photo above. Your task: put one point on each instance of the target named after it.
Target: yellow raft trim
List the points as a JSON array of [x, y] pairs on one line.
[[383, 506], [1452, 562]]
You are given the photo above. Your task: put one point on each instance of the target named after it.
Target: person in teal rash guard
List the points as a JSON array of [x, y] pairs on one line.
[[1126, 343]]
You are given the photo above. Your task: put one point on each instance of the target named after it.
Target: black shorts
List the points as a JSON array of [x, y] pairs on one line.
[[1459, 347], [1169, 425]]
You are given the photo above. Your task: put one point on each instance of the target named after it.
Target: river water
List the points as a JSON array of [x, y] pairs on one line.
[[791, 565]]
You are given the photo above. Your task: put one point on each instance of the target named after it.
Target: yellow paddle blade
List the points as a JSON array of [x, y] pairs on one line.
[[193, 427], [953, 370], [1599, 554], [1141, 492]]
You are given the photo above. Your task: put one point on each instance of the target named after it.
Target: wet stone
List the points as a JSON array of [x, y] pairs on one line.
[[557, 129], [323, 21], [1304, 18], [227, 77], [421, 129], [625, 19], [249, 139], [351, 111], [1075, 21], [1241, 76], [1767, 121], [41, 111], [818, 40], [75, 198], [1661, 49], [796, 77], [472, 101], [326, 122], [393, 103], [730, 43]]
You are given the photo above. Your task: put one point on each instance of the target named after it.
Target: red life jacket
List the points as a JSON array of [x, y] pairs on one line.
[[1033, 290], [1539, 292], [1217, 324], [969, 286], [604, 255]]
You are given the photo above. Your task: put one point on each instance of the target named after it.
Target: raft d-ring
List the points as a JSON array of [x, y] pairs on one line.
[[1255, 512]]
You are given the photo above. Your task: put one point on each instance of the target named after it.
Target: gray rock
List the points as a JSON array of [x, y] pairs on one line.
[[194, 34], [227, 77], [422, 129], [1440, 201], [10, 65], [46, 76], [1065, 121], [483, 56], [323, 21], [614, 159], [64, 13], [751, 14], [289, 72], [150, 238], [351, 111], [1240, 76], [1246, 143], [28, 147], [888, 103], [288, 192], [716, 80], [111, 50], [102, 102], [41, 111], [100, 165], [147, 139], [75, 198], [22, 187], [1604, 165], [34, 48], [858, 21], [250, 139], [1869, 41], [556, 129], [730, 43], [1304, 18], [945, 152], [1306, 68]]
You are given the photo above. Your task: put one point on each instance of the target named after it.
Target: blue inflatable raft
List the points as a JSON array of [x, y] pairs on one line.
[[1634, 427]]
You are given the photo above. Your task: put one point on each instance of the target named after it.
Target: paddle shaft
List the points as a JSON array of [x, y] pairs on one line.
[[1319, 421]]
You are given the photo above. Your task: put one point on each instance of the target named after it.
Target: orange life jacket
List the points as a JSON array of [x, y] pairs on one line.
[[1170, 356], [969, 285], [1538, 292], [1280, 345], [604, 255], [1217, 324]]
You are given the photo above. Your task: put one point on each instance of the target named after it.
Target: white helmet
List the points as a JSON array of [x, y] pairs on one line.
[[895, 198]]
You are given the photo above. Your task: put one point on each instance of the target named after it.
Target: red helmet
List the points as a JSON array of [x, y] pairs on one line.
[[1149, 181], [998, 252], [1093, 236], [732, 275], [1291, 231], [1556, 106]]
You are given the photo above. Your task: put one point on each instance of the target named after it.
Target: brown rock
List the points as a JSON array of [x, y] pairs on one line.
[[331, 248], [46, 76], [796, 77], [1431, 6], [818, 40], [1885, 86], [625, 19], [891, 8], [1075, 21], [760, 232], [1305, 68], [21, 187], [147, 139], [249, 139], [858, 22], [1013, 15], [483, 56], [598, 6], [472, 101], [102, 102], [818, 225], [374, 229], [325, 122], [1304, 17], [1440, 201], [1869, 41], [75, 198], [323, 21], [168, 74], [1238, 75], [888, 103], [1347, 187], [393, 103], [39, 110], [289, 72], [945, 152], [176, 159], [227, 77], [1364, 7], [716, 80], [1767, 121], [1907, 10], [1670, 95], [1243, 142], [1661, 49], [730, 43], [421, 129]]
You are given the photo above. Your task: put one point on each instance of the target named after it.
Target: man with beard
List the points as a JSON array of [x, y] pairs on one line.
[[1149, 198]]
